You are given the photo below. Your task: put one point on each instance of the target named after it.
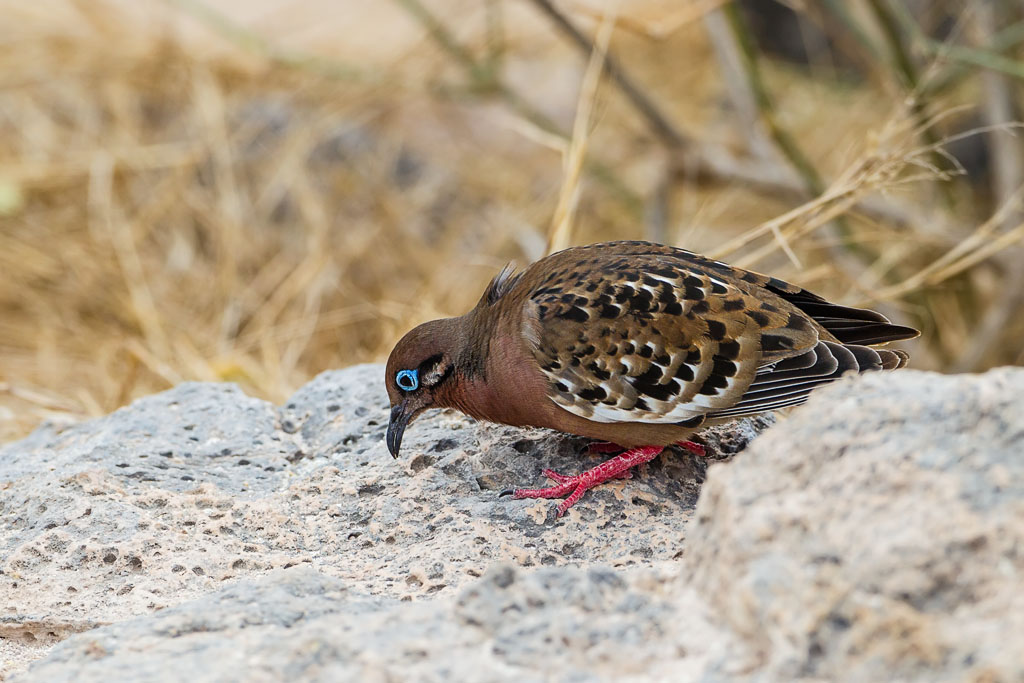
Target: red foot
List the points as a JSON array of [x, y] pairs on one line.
[[693, 447], [616, 468]]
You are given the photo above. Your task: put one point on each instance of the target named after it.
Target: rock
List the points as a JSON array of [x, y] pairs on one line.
[[875, 533], [555, 623], [169, 498]]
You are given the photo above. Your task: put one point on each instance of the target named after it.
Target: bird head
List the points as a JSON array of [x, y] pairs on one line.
[[420, 374]]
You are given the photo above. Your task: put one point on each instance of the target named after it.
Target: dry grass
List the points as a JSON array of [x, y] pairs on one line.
[[169, 214]]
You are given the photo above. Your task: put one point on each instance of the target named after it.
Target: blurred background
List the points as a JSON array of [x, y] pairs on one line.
[[259, 191]]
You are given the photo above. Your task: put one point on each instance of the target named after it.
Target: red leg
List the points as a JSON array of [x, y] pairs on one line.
[[693, 447], [562, 478], [617, 467]]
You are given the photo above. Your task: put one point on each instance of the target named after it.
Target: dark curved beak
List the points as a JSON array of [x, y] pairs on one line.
[[400, 416]]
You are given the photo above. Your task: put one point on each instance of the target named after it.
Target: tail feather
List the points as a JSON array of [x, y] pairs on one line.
[[790, 381]]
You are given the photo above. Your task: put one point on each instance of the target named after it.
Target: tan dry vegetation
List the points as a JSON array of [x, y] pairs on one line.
[[207, 202]]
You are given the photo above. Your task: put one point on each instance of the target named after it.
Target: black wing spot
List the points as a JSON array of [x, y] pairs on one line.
[[724, 367], [733, 305], [718, 288], [595, 394], [598, 372], [700, 308], [608, 311], [561, 386], [684, 373], [575, 314], [759, 318], [798, 322], [646, 351], [729, 349], [716, 330], [713, 383], [694, 293], [650, 385], [674, 308], [642, 301], [666, 295]]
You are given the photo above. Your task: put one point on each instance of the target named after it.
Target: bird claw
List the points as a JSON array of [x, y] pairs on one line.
[[616, 468]]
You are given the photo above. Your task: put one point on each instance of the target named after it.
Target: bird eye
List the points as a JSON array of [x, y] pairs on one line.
[[408, 380]]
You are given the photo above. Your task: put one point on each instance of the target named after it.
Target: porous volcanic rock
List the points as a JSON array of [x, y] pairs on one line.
[[875, 534], [182, 492]]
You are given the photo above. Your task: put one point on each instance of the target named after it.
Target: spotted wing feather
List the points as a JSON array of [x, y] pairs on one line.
[[643, 337], [843, 323]]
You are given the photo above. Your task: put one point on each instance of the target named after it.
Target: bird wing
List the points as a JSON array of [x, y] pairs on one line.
[[657, 335]]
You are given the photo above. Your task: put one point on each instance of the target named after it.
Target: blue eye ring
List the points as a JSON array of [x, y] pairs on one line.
[[408, 380]]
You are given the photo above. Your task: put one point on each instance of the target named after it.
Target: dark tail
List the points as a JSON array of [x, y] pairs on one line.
[[851, 325]]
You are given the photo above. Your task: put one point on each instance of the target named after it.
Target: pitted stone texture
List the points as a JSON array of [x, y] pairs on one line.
[[162, 441], [170, 497], [877, 534], [512, 624], [874, 534]]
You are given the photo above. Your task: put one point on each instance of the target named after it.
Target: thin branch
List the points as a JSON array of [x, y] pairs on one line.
[[488, 81], [1008, 175], [731, 62], [784, 142], [891, 18], [560, 233], [954, 72], [840, 9], [973, 56], [707, 161], [658, 122]]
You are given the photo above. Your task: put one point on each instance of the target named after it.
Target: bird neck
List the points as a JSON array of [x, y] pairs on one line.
[[493, 367], [471, 336]]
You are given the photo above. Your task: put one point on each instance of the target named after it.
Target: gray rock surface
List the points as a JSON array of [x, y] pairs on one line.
[[556, 623], [171, 497], [876, 533]]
